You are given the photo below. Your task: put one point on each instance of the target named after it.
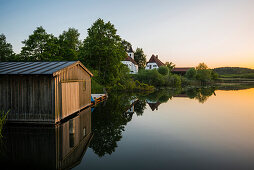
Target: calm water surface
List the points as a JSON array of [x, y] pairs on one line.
[[192, 129]]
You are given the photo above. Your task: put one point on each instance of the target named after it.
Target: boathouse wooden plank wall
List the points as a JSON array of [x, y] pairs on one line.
[[47, 96]]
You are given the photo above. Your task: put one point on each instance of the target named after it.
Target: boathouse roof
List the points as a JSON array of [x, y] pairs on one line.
[[25, 68]]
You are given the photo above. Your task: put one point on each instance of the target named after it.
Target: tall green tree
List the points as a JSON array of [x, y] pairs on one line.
[[140, 58], [40, 46], [6, 52], [69, 44], [103, 51]]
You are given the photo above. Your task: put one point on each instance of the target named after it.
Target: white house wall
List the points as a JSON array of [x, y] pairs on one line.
[[133, 68], [131, 54], [150, 66]]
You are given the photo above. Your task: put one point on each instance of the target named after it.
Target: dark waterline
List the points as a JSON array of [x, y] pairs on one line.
[[208, 128]]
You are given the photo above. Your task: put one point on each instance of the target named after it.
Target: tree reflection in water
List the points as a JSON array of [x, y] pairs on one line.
[[110, 118]]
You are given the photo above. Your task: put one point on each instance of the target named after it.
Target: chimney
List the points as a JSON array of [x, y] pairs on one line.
[[156, 56]]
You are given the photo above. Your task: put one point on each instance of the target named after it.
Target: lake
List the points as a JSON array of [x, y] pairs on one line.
[[193, 128]]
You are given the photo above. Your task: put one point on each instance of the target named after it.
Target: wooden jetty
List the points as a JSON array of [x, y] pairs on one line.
[[97, 98]]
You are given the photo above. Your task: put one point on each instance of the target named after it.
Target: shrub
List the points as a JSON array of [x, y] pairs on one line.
[[175, 81], [203, 75], [191, 73], [163, 70]]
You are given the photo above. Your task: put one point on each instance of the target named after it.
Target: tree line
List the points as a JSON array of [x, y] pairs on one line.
[[101, 51]]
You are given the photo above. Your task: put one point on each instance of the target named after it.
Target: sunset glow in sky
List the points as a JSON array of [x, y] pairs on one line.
[[185, 32]]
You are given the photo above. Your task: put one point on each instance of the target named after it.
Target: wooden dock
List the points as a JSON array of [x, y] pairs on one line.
[[98, 98]]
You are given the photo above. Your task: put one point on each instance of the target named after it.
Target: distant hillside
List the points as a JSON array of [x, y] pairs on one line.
[[233, 70]]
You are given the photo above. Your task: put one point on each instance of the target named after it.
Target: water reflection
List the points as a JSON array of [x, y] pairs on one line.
[[57, 147], [192, 128], [108, 121], [110, 118], [176, 126]]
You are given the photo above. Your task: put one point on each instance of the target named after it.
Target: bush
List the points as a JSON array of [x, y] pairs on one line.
[[163, 70], [175, 81], [154, 78], [204, 75], [191, 73]]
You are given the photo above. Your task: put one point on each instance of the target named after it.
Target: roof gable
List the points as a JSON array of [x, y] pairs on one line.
[[128, 58], [154, 59]]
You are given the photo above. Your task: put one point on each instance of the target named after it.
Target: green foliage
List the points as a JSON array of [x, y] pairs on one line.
[[233, 70], [175, 81], [96, 87], [246, 75], [69, 44], [214, 75], [126, 45], [131, 85], [163, 70], [170, 65], [204, 75], [140, 106], [40, 46], [191, 74], [201, 94], [140, 58], [6, 52], [103, 51], [202, 66], [154, 78], [109, 120]]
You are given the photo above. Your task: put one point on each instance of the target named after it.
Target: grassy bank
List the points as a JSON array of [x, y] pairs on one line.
[[245, 76]]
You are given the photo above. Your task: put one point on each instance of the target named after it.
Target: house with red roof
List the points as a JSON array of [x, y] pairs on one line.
[[154, 63], [130, 62]]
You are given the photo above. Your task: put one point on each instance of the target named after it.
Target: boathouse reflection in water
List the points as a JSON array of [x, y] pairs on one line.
[[58, 147]]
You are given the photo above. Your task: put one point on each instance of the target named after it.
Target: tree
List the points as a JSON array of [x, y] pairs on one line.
[[170, 65], [6, 52], [202, 66], [140, 58], [40, 46], [214, 75], [203, 73], [69, 44], [191, 73], [103, 51], [126, 45], [163, 70]]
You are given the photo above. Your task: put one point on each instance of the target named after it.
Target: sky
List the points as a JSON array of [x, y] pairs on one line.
[[185, 32]]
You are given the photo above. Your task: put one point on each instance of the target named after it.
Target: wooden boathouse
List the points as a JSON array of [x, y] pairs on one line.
[[43, 92]]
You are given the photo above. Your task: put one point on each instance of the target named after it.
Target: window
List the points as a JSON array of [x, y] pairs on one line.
[[154, 65]]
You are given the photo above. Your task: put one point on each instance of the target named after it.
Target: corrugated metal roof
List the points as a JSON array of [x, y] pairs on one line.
[[33, 67]]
